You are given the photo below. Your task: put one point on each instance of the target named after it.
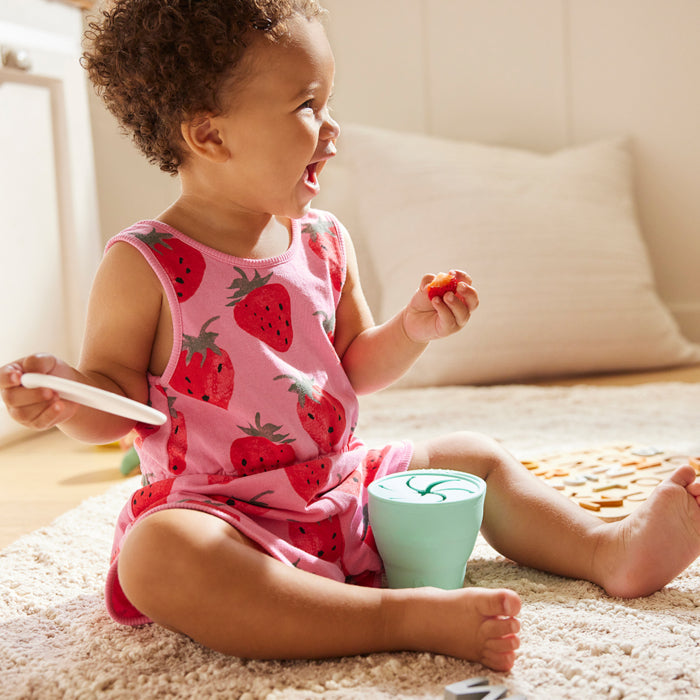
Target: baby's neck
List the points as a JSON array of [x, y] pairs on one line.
[[241, 234]]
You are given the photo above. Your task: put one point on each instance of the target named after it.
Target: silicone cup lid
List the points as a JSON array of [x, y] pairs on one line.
[[430, 486]]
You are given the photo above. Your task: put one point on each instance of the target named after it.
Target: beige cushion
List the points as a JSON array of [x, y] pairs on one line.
[[551, 241]]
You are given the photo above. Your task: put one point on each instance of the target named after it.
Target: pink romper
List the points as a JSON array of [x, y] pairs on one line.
[[261, 415]]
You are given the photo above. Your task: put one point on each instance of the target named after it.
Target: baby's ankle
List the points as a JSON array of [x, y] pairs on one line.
[[403, 612]]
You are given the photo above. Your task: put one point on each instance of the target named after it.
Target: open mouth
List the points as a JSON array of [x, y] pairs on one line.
[[311, 176]]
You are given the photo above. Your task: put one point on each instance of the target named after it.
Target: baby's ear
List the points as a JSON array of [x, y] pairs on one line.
[[203, 139]]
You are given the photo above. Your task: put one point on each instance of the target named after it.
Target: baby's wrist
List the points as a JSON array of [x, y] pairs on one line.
[[404, 329]]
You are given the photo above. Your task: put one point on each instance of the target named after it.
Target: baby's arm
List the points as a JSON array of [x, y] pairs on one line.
[[123, 314], [376, 356]]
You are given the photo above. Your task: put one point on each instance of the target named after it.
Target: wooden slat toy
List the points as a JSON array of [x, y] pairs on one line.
[[610, 482]]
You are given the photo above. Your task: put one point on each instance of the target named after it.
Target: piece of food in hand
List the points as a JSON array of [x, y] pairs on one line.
[[443, 283]]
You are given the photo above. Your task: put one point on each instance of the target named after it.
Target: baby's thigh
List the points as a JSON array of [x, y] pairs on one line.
[[171, 553]]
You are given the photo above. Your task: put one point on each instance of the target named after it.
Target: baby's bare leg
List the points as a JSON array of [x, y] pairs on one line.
[[194, 573], [531, 523]]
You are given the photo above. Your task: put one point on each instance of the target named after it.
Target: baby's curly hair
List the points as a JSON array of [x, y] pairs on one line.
[[156, 63]]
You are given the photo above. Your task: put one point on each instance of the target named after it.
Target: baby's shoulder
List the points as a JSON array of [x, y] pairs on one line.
[[320, 218]]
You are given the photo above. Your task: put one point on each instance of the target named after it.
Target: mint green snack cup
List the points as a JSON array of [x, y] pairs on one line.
[[425, 524]]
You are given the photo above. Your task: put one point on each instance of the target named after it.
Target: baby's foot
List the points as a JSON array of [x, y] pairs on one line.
[[642, 553], [475, 624]]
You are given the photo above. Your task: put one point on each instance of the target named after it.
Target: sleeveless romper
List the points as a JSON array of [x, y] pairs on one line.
[[261, 415]]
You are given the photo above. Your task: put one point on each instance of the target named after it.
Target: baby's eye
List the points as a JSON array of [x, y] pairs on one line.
[[309, 104]]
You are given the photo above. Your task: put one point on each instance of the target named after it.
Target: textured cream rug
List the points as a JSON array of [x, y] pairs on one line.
[[56, 640]]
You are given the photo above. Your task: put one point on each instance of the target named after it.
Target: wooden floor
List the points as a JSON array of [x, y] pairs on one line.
[[679, 374], [48, 474]]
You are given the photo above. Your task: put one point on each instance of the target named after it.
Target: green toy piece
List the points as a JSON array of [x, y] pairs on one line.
[[130, 461]]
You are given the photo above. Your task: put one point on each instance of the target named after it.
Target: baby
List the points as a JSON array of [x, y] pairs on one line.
[[239, 313]]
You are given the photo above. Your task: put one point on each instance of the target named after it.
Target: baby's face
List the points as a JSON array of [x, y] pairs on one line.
[[278, 129]]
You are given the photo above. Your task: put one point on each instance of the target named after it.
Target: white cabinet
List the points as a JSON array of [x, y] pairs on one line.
[[50, 242]]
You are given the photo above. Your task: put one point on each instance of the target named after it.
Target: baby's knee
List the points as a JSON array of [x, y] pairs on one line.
[[480, 443], [468, 451], [146, 554]]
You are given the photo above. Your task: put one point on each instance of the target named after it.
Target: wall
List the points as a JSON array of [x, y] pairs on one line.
[[48, 208], [540, 74], [543, 74]]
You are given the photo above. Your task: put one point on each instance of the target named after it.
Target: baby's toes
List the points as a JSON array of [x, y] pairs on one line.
[[498, 628], [500, 602], [498, 661]]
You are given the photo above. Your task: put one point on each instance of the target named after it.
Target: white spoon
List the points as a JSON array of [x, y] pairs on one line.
[[94, 398]]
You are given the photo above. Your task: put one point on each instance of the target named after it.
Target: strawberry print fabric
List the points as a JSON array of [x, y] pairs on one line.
[[261, 415]]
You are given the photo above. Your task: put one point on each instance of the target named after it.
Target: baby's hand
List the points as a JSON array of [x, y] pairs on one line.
[[35, 408], [437, 313]]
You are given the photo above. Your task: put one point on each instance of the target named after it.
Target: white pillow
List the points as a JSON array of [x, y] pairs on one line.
[[551, 241]]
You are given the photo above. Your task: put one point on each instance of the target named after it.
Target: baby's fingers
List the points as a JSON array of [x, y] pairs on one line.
[[452, 314], [454, 309], [34, 408], [468, 295], [10, 374], [462, 302], [462, 276], [37, 408]]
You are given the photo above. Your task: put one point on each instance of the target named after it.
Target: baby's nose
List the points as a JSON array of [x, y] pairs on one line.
[[331, 128]]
